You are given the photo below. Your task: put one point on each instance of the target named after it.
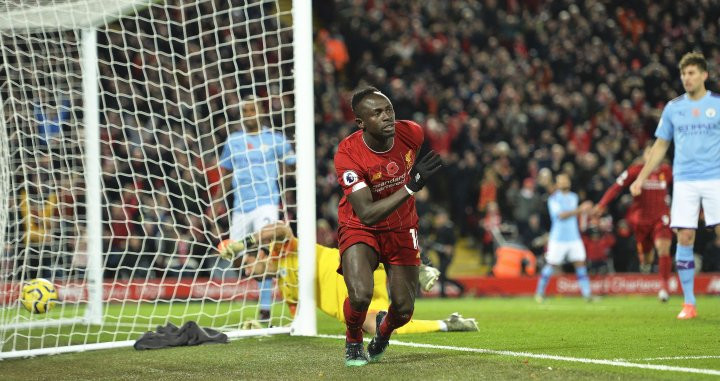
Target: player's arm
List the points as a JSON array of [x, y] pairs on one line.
[[555, 209], [623, 181], [287, 157], [225, 165], [276, 232], [225, 184], [370, 211], [657, 153], [257, 265]]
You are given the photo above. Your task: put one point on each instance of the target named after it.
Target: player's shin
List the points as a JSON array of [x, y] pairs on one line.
[[545, 275], [266, 296], [664, 269], [392, 321], [685, 262], [353, 321], [583, 281]]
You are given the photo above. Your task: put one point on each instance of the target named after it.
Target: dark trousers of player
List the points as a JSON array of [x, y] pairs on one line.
[[445, 260]]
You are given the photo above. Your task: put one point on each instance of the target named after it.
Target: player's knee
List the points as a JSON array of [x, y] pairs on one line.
[[686, 237], [404, 307], [360, 299]]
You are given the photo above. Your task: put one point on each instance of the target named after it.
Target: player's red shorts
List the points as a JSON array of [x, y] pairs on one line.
[[393, 247], [646, 234]]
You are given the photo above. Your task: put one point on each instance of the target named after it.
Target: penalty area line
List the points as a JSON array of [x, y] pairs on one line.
[[625, 364]]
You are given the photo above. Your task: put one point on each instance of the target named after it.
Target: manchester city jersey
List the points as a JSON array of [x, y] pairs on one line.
[[694, 125], [563, 229], [254, 160]]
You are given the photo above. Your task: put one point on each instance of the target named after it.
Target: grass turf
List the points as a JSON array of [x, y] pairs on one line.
[[629, 328]]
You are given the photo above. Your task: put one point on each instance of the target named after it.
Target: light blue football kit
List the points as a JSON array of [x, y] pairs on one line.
[[564, 243], [694, 126], [563, 230], [254, 160]]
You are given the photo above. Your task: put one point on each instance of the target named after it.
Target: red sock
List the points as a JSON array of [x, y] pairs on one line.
[[392, 321], [353, 321], [664, 267]]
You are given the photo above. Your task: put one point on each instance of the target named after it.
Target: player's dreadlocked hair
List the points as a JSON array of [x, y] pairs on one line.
[[693, 58], [360, 95]]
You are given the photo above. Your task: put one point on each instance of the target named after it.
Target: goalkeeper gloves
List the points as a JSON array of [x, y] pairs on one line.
[[422, 170], [228, 248], [428, 275]]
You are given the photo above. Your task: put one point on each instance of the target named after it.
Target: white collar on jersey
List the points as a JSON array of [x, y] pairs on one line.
[[368, 147]]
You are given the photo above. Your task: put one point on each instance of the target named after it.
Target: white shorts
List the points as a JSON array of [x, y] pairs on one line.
[[243, 224], [686, 201], [558, 252]]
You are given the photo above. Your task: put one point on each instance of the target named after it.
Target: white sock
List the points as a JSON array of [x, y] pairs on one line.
[[443, 326]]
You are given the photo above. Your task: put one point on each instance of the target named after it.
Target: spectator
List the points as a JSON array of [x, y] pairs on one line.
[[597, 246], [525, 203], [491, 221], [50, 119], [38, 208], [534, 236], [444, 246], [711, 256]]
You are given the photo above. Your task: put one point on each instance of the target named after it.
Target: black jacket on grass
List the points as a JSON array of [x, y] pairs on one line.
[[171, 336]]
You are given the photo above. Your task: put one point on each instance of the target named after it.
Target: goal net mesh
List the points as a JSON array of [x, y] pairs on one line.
[[173, 77]]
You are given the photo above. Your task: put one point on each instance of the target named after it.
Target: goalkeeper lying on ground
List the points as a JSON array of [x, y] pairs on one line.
[[330, 286]]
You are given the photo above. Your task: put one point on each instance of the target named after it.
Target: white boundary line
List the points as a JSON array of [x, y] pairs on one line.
[[625, 364], [680, 358]]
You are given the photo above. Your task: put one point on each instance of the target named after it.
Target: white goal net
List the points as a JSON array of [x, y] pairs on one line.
[[115, 171]]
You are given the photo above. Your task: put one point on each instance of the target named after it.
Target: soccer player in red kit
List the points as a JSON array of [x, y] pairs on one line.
[[378, 172], [649, 216]]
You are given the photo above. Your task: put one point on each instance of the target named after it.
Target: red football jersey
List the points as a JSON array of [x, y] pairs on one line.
[[357, 167], [652, 204]]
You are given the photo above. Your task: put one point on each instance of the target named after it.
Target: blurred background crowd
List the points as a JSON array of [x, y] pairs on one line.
[[509, 92]]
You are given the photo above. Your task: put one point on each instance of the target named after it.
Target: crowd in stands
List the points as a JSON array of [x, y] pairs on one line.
[[171, 79], [509, 92]]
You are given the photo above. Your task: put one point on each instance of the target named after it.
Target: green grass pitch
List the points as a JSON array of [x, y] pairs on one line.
[[635, 330]]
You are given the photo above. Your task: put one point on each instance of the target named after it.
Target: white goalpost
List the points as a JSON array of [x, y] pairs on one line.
[[115, 115]]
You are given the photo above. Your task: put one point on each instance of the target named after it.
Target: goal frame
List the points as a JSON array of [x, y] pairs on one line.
[[86, 20]]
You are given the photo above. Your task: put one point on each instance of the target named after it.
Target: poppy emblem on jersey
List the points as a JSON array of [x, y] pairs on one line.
[[696, 112], [392, 168], [350, 178], [408, 159], [377, 176], [710, 113]]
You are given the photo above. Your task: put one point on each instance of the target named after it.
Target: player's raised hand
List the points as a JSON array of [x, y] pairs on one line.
[[598, 210], [586, 206], [423, 169], [636, 187]]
